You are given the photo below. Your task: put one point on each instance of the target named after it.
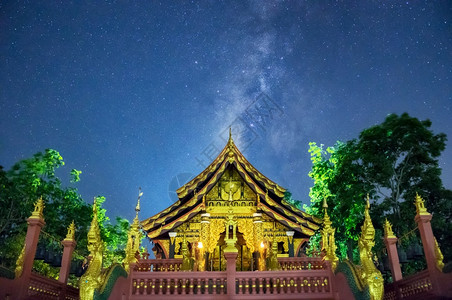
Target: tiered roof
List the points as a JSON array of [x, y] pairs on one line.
[[270, 197]]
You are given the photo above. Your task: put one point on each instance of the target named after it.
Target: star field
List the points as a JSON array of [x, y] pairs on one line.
[[134, 94]]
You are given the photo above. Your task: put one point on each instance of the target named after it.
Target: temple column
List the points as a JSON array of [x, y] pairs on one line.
[[434, 260], [290, 242], [230, 271], [259, 241], [391, 247], [425, 229], [172, 245], [35, 224], [69, 245]]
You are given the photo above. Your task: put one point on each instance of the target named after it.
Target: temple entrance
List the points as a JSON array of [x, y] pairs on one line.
[[244, 262]]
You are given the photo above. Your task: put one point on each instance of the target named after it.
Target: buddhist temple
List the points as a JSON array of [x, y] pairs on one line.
[[230, 205]]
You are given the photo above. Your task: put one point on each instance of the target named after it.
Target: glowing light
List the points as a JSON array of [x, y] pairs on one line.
[[200, 245], [262, 245]]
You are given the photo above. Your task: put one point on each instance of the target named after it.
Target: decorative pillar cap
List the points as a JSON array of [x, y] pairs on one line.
[[420, 205], [39, 207], [70, 232], [389, 234]]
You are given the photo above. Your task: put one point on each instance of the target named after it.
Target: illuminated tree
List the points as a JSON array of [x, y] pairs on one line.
[[390, 161], [32, 178]]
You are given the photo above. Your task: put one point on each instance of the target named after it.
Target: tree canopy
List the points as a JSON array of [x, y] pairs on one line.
[[391, 162]]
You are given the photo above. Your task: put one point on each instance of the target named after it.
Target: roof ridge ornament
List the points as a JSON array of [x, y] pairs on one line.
[[230, 140]]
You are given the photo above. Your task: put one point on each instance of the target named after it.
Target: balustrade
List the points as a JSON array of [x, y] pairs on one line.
[[283, 282], [178, 283], [416, 285], [158, 265], [301, 263], [48, 288]]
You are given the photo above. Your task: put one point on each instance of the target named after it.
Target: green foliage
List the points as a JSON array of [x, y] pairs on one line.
[[390, 162], [75, 175], [32, 178]]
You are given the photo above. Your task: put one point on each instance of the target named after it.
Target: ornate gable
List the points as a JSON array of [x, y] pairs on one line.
[[230, 179]]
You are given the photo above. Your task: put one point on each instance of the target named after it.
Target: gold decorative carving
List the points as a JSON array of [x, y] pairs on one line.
[[133, 242], [70, 236], [186, 257], [20, 263], [231, 231], [388, 230], [39, 207], [273, 264], [247, 229], [328, 241], [420, 205], [217, 226], [369, 275], [93, 278], [439, 256]]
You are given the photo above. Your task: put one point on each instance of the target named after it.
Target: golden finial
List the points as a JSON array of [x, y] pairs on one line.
[[420, 205], [95, 206], [230, 140], [140, 193], [325, 205], [326, 219], [367, 226], [70, 236], [366, 210], [39, 207], [388, 230], [94, 231]]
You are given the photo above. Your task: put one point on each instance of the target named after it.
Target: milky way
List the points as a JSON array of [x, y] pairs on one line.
[[142, 93]]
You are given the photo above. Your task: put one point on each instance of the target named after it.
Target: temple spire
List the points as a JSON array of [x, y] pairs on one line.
[[137, 207], [230, 141]]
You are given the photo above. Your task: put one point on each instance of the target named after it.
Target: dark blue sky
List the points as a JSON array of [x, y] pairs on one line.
[[135, 93]]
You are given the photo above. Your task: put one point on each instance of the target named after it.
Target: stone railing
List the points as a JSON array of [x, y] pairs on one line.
[[301, 263], [284, 283], [203, 285], [47, 288], [417, 285], [178, 283], [158, 265], [174, 265]]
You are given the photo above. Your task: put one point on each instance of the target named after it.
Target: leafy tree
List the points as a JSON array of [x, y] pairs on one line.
[[32, 178], [337, 180], [392, 162]]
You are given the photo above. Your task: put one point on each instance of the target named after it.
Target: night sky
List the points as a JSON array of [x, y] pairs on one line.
[[139, 93]]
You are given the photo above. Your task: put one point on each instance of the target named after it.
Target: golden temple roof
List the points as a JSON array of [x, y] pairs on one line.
[[191, 197]]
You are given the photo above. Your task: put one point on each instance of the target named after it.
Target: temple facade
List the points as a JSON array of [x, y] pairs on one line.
[[231, 207]]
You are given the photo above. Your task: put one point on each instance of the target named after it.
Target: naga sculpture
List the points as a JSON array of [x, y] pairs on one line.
[[93, 277], [365, 281], [20, 263], [368, 273]]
